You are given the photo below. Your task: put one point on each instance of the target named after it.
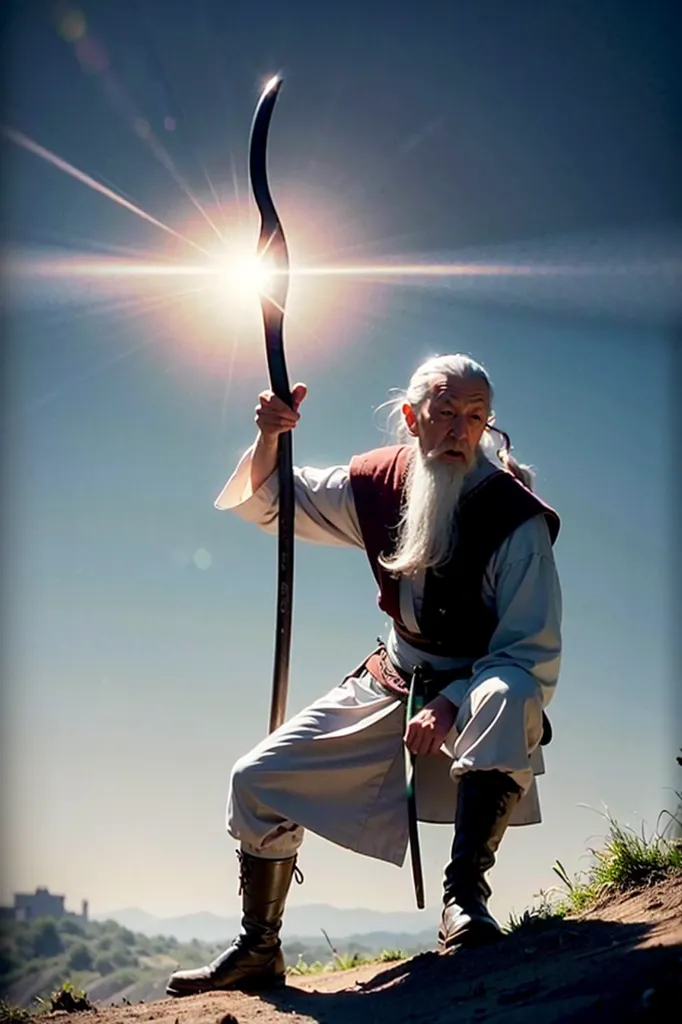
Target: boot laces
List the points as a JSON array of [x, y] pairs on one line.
[[244, 873]]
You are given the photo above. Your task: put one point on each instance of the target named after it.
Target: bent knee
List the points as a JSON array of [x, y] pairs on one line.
[[245, 773], [518, 689]]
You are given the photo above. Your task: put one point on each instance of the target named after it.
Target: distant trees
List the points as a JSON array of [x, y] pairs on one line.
[[109, 926], [46, 940], [70, 926], [103, 965], [80, 957], [71, 946], [122, 956], [162, 944], [10, 960]]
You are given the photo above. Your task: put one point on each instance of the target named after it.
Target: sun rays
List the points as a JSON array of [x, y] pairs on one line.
[[203, 289], [67, 168], [193, 276]]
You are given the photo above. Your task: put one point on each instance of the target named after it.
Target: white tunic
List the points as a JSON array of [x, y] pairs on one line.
[[276, 789]]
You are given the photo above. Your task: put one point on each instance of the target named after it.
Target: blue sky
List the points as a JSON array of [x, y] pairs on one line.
[[138, 630]]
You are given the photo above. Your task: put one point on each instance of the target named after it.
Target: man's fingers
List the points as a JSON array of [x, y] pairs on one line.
[[416, 739], [298, 394], [273, 415], [268, 400], [287, 418], [423, 736], [426, 744]]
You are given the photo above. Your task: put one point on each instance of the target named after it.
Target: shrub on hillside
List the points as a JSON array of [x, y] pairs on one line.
[[70, 999], [69, 926], [143, 944], [127, 937], [103, 965], [13, 1014], [45, 938], [120, 956], [80, 957], [9, 961], [108, 926], [162, 944]]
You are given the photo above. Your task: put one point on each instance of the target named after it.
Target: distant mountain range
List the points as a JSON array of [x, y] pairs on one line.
[[300, 922]]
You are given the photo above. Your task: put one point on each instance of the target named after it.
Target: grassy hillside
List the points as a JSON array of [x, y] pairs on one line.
[[111, 962], [102, 957]]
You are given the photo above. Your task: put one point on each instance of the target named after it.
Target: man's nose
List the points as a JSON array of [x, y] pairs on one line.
[[458, 427]]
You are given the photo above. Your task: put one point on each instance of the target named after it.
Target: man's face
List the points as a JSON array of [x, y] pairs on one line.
[[451, 421]]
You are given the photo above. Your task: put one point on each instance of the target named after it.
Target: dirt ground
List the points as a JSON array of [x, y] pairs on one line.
[[620, 962]]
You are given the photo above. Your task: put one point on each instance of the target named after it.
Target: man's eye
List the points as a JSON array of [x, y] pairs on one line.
[[476, 416]]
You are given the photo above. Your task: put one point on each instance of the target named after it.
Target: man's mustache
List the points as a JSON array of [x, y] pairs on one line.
[[444, 447]]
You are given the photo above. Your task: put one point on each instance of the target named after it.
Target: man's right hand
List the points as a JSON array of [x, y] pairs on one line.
[[274, 417]]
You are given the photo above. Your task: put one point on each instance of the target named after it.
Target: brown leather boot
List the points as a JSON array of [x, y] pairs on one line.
[[485, 803], [254, 960]]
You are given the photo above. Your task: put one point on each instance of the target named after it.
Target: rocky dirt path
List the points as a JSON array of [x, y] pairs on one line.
[[621, 962]]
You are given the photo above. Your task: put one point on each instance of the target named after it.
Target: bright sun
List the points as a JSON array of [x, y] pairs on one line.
[[244, 271], [237, 279]]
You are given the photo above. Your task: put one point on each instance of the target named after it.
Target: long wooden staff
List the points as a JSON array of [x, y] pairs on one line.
[[272, 249]]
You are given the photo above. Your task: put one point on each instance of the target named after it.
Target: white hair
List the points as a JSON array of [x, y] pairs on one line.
[[427, 529], [466, 368]]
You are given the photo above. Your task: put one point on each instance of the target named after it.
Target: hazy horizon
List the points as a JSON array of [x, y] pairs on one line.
[[138, 620]]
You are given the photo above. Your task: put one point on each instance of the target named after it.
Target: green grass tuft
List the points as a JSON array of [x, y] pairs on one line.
[[70, 998], [301, 967], [346, 962], [389, 956], [627, 860], [10, 1014], [535, 917]]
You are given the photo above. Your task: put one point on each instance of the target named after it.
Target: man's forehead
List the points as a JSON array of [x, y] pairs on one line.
[[465, 389]]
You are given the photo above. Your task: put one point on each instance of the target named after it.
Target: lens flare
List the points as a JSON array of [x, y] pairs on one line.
[[209, 301], [249, 274]]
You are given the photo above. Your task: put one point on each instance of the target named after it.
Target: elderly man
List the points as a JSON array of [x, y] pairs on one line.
[[462, 551]]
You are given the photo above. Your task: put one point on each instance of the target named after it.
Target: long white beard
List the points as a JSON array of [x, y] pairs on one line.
[[427, 530]]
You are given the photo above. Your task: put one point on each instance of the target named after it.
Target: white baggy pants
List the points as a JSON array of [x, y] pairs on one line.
[[338, 768]]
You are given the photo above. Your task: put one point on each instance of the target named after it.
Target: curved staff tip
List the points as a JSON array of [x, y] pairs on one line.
[[272, 246], [272, 249]]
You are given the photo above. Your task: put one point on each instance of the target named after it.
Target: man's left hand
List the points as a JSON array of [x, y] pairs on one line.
[[429, 727]]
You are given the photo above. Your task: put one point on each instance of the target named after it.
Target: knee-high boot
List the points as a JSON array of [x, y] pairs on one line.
[[254, 960], [485, 803]]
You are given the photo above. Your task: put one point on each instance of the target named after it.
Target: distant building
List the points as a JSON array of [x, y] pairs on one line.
[[41, 903]]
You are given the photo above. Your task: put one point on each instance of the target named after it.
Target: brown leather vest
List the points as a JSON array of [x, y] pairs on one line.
[[454, 620]]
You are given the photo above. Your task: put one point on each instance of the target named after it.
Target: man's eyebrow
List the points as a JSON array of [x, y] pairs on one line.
[[445, 396]]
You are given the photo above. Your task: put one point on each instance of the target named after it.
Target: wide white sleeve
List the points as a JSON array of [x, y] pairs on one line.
[[522, 586], [324, 507]]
